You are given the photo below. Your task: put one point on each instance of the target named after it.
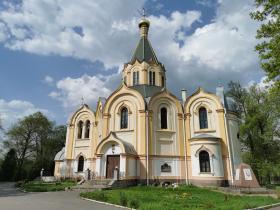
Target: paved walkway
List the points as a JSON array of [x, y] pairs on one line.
[[13, 199], [276, 208]]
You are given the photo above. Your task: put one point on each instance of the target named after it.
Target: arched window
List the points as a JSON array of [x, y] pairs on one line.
[[124, 118], [81, 164], [162, 81], [87, 129], [80, 129], [136, 78], [204, 161], [152, 78], [163, 118], [203, 123]]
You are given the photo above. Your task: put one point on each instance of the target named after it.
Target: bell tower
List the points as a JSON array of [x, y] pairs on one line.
[[144, 67]]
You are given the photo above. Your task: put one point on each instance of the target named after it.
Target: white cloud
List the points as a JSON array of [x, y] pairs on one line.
[[206, 3], [11, 111], [70, 91], [226, 44], [48, 27], [48, 79], [216, 52], [3, 32], [262, 83]]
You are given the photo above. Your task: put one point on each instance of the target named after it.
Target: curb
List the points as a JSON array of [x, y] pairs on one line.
[[105, 203], [265, 207]]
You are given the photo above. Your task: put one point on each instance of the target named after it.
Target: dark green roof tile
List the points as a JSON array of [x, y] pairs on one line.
[[144, 52]]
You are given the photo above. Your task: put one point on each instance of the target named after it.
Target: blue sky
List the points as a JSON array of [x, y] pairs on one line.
[[53, 53]]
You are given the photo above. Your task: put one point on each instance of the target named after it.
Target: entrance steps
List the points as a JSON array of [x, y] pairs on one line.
[[91, 185], [100, 181]]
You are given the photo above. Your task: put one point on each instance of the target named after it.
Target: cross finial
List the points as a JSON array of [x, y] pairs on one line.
[[83, 100], [143, 12]]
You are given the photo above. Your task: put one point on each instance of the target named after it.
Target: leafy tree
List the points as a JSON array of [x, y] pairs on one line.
[[269, 33], [259, 129], [27, 137], [239, 94], [51, 146], [8, 167], [36, 140]]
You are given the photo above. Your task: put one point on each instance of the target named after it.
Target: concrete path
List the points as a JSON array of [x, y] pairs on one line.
[[13, 199], [276, 208]]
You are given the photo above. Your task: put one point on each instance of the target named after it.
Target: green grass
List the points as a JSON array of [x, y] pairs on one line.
[[185, 197], [38, 186]]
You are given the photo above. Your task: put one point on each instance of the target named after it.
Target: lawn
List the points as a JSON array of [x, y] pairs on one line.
[[39, 186], [184, 197]]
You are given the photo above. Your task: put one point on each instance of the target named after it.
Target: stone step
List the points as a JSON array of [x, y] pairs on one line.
[[100, 181], [88, 185]]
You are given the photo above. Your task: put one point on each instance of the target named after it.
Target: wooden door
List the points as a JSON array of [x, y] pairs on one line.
[[112, 162]]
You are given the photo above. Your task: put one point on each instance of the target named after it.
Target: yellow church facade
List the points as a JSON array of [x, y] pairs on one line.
[[142, 133]]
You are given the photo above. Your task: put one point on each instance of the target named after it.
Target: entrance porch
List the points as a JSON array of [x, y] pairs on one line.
[[116, 159]]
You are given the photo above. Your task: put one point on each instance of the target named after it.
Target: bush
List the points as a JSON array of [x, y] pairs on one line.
[[134, 203], [123, 199]]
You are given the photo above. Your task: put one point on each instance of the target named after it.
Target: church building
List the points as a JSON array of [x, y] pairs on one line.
[[142, 133]]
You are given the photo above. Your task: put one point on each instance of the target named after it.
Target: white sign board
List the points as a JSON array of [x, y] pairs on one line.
[[247, 174], [237, 174]]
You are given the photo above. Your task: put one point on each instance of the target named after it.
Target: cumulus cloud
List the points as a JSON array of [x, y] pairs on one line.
[[214, 53], [70, 91], [262, 83], [3, 32], [11, 111], [70, 28], [206, 3], [210, 54]]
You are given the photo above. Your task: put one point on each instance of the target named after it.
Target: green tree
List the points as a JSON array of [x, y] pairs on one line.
[[8, 167], [268, 12], [27, 137], [259, 128], [52, 146], [239, 94], [35, 140]]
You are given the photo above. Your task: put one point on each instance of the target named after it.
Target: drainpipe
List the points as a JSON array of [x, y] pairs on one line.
[[185, 150], [147, 146], [184, 97]]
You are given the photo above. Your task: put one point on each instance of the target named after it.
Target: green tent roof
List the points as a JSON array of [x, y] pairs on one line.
[[144, 52]]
